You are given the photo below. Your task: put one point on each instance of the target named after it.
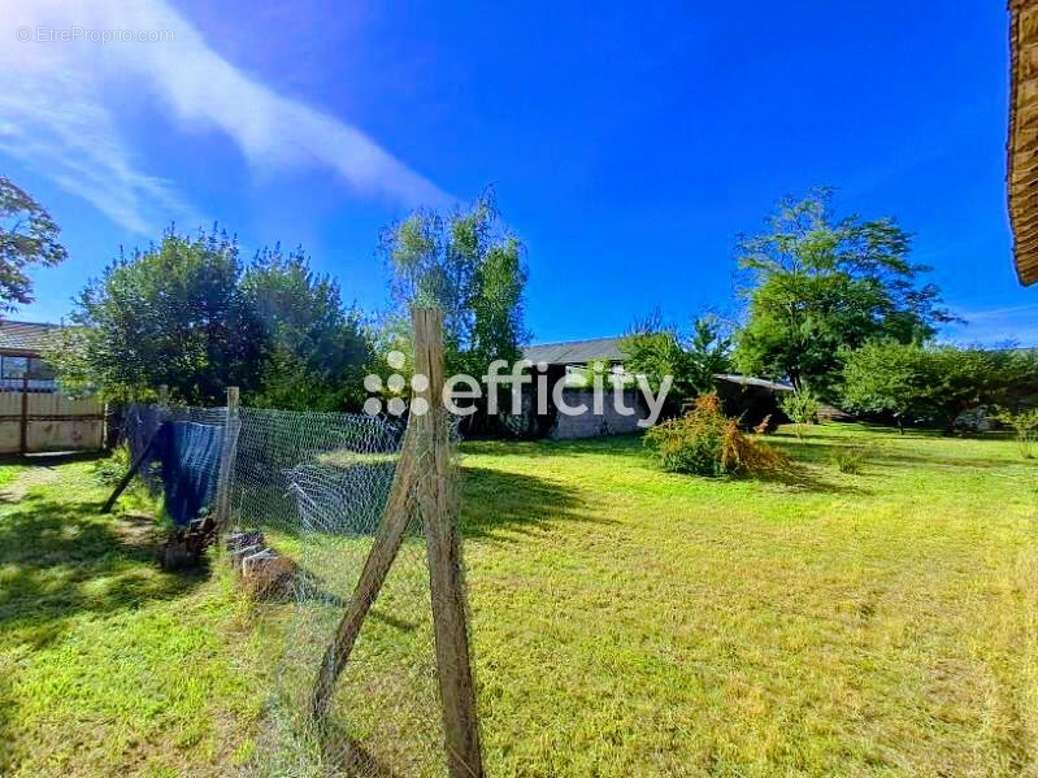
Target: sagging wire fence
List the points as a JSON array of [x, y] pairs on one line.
[[346, 527]]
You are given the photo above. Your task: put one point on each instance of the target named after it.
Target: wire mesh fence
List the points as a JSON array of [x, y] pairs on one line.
[[313, 488]]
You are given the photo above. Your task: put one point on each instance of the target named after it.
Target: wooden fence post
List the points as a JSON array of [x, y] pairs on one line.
[[23, 442], [142, 457], [228, 450], [443, 542], [422, 473]]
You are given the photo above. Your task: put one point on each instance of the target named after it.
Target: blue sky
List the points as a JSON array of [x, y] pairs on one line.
[[629, 145]]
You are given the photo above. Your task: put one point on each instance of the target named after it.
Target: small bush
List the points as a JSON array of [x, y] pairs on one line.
[[706, 442], [802, 408], [110, 470], [849, 459], [1025, 425]]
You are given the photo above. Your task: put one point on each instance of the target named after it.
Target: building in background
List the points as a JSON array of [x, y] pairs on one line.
[[21, 365]]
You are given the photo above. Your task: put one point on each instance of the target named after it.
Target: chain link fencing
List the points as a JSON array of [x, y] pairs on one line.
[[312, 488]]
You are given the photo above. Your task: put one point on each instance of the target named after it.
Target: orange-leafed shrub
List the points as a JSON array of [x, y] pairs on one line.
[[706, 442]]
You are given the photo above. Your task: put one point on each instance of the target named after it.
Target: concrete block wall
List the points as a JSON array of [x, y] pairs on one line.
[[592, 425]]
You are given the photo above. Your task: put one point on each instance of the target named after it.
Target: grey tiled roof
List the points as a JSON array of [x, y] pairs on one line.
[[25, 335], [576, 352]]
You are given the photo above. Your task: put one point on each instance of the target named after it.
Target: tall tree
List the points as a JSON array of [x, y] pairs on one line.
[[315, 349], [175, 314], [28, 236], [819, 285], [472, 269]]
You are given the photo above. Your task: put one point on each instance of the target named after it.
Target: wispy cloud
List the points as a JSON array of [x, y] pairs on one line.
[[1014, 324], [57, 112]]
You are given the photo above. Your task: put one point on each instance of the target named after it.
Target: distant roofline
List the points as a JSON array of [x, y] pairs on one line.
[[575, 352], [748, 380], [574, 342], [5, 320]]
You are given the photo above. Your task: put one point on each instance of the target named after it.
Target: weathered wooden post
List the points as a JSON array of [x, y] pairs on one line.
[[135, 466], [421, 480], [23, 444], [228, 450], [443, 543]]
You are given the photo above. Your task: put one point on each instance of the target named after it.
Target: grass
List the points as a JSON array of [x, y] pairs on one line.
[[107, 664], [625, 621]]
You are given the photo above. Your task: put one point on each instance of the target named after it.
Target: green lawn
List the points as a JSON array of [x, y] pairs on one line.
[[625, 621]]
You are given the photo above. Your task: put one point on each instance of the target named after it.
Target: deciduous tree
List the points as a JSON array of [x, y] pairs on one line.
[[175, 314], [655, 350], [28, 236], [315, 350], [470, 267], [819, 285]]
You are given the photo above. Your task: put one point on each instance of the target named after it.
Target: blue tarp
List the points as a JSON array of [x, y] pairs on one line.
[[190, 457]]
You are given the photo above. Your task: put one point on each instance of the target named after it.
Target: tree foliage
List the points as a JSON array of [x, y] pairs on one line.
[[190, 315], [315, 350], [28, 236], [913, 383], [468, 266], [655, 350], [820, 285]]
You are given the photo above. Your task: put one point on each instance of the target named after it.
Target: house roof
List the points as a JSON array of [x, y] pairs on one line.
[[745, 380], [25, 336], [1022, 146], [574, 352]]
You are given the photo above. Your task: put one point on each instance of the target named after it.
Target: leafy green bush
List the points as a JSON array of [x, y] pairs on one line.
[[110, 470], [706, 442], [849, 459], [1025, 425], [933, 384]]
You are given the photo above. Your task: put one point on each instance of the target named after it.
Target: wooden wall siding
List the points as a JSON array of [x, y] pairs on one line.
[[1022, 177], [51, 422], [10, 422]]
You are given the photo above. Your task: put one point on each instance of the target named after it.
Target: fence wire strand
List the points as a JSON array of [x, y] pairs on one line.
[[316, 486]]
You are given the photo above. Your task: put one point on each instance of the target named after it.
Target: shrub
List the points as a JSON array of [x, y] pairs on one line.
[[706, 442], [801, 407], [1025, 425], [110, 470], [849, 459]]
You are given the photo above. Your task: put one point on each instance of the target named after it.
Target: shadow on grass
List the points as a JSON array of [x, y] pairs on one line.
[[352, 760], [61, 559], [50, 459], [822, 449], [799, 478], [613, 445], [495, 500]]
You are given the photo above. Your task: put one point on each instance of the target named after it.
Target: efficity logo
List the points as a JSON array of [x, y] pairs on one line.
[[601, 389], [395, 405]]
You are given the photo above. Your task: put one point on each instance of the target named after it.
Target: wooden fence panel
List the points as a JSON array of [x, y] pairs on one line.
[[36, 422], [10, 422]]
